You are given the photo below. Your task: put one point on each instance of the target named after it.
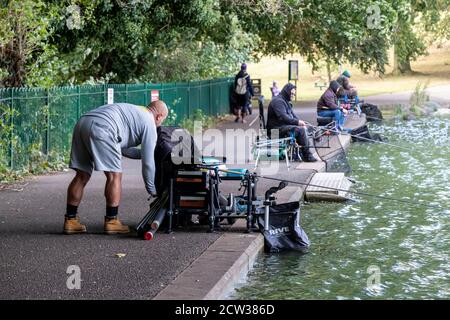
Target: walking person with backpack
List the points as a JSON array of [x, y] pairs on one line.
[[243, 91]]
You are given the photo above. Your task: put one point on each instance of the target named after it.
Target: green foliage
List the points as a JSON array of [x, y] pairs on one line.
[[417, 106], [419, 98], [171, 119], [443, 27], [37, 162], [26, 57], [81, 41], [199, 118], [5, 136], [148, 41], [414, 21], [328, 30]]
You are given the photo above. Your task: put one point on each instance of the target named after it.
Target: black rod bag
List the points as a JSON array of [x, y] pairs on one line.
[[284, 234], [165, 145], [373, 113], [362, 134]]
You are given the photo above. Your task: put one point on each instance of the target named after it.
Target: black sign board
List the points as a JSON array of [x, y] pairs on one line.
[[256, 84], [293, 69]]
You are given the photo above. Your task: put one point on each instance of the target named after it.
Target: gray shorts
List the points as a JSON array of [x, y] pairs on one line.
[[95, 146]]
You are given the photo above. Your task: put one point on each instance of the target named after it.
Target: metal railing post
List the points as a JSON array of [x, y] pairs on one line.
[[11, 134], [145, 94], [78, 102], [47, 120], [210, 98]]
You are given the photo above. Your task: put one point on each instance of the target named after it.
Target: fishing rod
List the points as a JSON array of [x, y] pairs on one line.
[[374, 118], [360, 137], [344, 190]]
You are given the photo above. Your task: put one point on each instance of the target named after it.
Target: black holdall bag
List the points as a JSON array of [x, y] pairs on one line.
[[373, 112], [362, 134], [285, 233], [165, 145]]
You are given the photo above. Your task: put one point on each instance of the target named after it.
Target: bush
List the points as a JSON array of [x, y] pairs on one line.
[[417, 106], [204, 120], [418, 101]]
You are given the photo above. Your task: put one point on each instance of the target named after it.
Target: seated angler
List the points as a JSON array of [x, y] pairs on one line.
[[281, 117], [328, 106], [347, 89]]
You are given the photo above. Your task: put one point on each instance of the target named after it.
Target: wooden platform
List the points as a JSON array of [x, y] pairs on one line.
[[321, 184]]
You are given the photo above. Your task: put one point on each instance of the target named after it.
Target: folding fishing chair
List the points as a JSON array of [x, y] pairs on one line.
[[354, 103], [270, 149]]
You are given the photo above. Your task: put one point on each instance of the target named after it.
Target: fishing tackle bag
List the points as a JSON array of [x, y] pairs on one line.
[[285, 232]]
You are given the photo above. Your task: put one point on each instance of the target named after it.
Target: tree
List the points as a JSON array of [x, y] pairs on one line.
[[52, 42], [24, 32], [443, 30], [413, 16], [145, 40], [321, 30]]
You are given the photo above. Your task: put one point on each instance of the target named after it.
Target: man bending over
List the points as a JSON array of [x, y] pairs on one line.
[[100, 138]]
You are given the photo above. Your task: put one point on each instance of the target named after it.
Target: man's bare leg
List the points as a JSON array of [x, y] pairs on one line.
[[74, 196], [76, 188], [113, 190]]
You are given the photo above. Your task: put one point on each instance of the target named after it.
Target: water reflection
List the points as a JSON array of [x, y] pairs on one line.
[[409, 244]]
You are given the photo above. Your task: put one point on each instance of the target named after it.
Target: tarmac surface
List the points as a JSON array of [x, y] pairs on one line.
[[35, 255], [438, 94]]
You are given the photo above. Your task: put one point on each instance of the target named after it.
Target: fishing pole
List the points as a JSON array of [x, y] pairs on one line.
[[344, 190], [360, 137], [374, 118]]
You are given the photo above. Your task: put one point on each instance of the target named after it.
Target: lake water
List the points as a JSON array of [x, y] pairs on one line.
[[373, 248]]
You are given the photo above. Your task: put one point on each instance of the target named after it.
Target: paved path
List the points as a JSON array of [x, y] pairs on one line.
[[35, 255], [439, 94]]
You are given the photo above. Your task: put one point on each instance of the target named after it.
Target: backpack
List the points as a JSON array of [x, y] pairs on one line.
[[241, 85]]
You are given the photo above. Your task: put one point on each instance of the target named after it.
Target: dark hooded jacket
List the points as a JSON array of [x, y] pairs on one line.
[[280, 111], [329, 99]]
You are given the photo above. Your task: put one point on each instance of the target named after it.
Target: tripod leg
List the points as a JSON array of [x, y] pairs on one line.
[[249, 204], [170, 212], [211, 211], [287, 158], [257, 158]]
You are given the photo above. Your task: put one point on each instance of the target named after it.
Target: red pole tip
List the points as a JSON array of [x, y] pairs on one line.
[[148, 235]]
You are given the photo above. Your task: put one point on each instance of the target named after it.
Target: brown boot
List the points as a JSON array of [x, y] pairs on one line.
[[73, 226], [114, 226]]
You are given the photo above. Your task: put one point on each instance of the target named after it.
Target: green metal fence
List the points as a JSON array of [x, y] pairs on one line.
[[43, 119]]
